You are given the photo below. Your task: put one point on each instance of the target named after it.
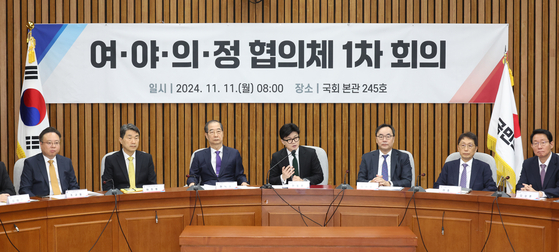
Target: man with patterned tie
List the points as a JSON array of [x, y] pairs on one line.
[[129, 168], [541, 172], [298, 163], [48, 173], [218, 163], [467, 171], [386, 166]]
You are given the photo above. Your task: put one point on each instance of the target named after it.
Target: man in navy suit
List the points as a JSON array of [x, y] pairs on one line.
[[6, 186], [467, 171], [48, 173], [129, 163], [302, 164], [386, 166], [217, 163], [540, 173]]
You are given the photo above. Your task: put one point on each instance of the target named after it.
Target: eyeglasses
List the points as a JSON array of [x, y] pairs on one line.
[[215, 132], [536, 144], [382, 137], [292, 140], [469, 146], [49, 143]]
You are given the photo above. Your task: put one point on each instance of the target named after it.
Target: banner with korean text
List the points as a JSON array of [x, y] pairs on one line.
[[270, 63]]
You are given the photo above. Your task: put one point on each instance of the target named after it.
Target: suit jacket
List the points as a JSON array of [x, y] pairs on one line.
[[400, 168], [231, 167], [530, 174], [480, 179], [35, 179], [6, 185], [115, 169], [309, 166]]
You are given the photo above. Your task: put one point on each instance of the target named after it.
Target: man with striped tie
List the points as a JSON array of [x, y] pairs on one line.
[[48, 173], [386, 166], [129, 168]]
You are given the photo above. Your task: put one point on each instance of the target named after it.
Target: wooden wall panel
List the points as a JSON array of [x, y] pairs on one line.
[[171, 132]]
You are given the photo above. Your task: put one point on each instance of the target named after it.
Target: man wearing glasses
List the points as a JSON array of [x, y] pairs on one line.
[[540, 173], [298, 163], [386, 166], [48, 173], [218, 163], [466, 171]]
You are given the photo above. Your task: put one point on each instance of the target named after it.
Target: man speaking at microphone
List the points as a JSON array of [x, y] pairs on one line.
[[129, 168], [218, 163], [386, 166], [298, 163], [467, 172]]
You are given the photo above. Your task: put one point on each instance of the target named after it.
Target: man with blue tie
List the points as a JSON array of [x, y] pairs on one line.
[[217, 163], [395, 168], [541, 172], [48, 173], [467, 171]]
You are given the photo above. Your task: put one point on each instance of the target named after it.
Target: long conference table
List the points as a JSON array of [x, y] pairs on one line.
[[154, 221]]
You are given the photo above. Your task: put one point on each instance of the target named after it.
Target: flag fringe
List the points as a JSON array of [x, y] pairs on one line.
[[20, 152]]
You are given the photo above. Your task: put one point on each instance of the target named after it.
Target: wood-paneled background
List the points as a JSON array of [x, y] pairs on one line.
[[170, 132]]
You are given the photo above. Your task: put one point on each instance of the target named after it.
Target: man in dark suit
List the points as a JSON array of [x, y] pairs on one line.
[[541, 172], [395, 168], [6, 186], [217, 163], [467, 171], [129, 168], [298, 163], [48, 173]]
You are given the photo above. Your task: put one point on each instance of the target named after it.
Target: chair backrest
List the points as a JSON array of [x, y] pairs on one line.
[[488, 159], [103, 167], [18, 169], [323, 159], [412, 164]]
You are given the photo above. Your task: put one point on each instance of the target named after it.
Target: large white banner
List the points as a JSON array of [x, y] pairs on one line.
[[270, 63]]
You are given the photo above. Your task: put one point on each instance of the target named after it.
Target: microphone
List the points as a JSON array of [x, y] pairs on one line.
[[268, 185], [499, 193], [345, 185], [113, 191], [418, 188], [196, 187]]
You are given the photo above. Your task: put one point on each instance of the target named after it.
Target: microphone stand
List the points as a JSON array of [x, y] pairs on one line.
[[345, 185], [196, 187], [112, 191], [268, 185], [499, 193], [417, 188]]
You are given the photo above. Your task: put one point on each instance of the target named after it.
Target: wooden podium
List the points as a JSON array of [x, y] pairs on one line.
[[266, 238]]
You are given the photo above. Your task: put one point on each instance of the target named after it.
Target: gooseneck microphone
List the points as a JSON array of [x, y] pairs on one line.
[[268, 185], [113, 191], [500, 193], [418, 188], [345, 185], [196, 187]]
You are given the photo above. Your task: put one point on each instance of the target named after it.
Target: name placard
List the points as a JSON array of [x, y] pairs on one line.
[[80, 193], [528, 195], [299, 185], [367, 186], [226, 185], [450, 189], [17, 199], [154, 188]]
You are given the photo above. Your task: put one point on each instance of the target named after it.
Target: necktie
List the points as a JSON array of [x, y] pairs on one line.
[[217, 163], [131, 173], [53, 179], [295, 164], [385, 168], [542, 173], [464, 177]]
